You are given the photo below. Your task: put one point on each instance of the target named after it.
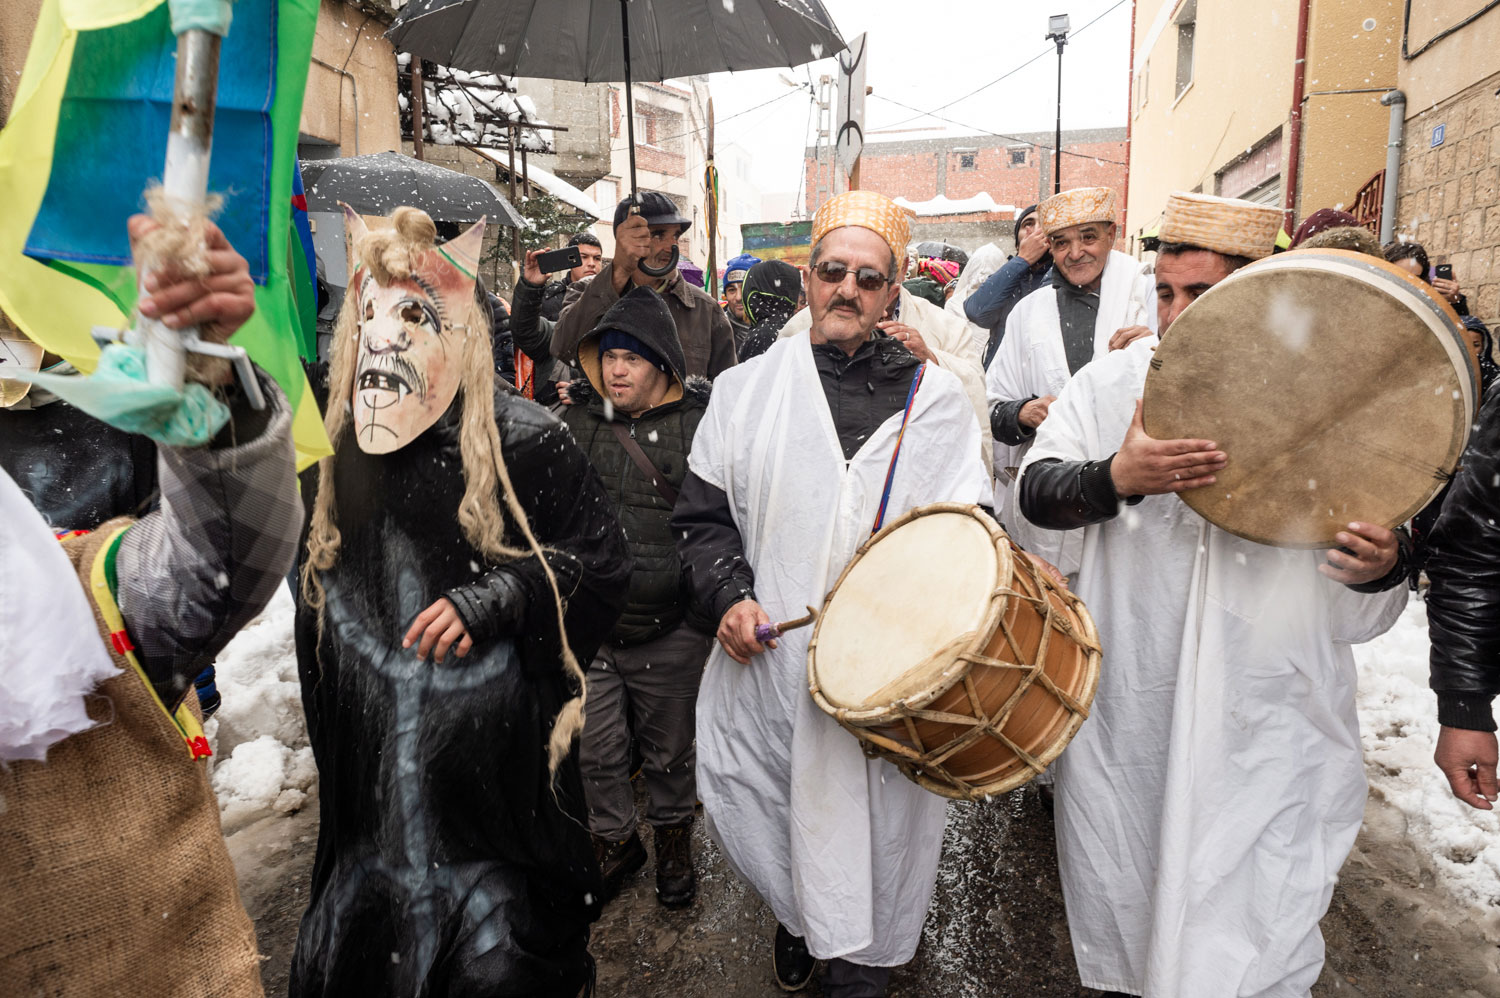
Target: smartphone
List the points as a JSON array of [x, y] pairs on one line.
[[1444, 271], [554, 260]]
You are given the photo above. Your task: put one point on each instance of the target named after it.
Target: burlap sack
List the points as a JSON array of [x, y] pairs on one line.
[[114, 877]]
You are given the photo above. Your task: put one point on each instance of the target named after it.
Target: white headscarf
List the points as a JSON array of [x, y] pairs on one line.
[[984, 262], [51, 655]]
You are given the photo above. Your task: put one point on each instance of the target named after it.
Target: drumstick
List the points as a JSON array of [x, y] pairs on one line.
[[765, 632]]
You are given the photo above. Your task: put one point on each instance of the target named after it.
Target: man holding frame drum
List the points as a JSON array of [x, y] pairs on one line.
[[1204, 810]]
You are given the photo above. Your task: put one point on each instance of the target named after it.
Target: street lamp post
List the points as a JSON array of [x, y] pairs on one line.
[[1057, 32]]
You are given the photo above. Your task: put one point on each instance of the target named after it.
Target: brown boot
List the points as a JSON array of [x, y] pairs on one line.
[[676, 886], [617, 861]]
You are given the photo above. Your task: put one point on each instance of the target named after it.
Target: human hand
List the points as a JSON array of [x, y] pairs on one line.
[[632, 245], [218, 304], [1375, 552], [737, 630], [438, 627], [1048, 569], [1034, 413], [562, 393], [530, 272], [1468, 759], [1034, 245], [907, 337], [1124, 337], [1145, 466], [1448, 288]]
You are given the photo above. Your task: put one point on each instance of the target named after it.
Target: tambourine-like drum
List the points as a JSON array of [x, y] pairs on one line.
[[946, 650], [1340, 387]]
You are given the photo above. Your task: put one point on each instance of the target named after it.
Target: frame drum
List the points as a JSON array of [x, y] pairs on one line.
[[1340, 387]]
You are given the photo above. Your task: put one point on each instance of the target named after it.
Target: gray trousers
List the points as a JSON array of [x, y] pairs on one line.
[[842, 979], [651, 690]]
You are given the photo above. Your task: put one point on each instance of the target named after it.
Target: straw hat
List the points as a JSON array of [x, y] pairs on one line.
[[1223, 225], [1076, 207]]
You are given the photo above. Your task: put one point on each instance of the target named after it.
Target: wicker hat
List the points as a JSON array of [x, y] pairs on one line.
[[1223, 225], [867, 210], [1076, 207]]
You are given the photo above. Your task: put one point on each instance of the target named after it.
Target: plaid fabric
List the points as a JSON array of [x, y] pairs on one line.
[[201, 567]]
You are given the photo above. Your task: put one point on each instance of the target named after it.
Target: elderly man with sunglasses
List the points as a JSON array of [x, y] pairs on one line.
[[927, 330], [787, 477]]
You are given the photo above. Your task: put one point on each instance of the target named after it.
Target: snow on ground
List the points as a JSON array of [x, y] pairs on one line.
[[262, 762], [1398, 721]]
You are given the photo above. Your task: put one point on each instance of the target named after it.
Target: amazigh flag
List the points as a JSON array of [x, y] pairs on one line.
[[87, 134]]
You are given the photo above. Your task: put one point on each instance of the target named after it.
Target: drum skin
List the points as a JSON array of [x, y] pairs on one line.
[[945, 650], [1339, 387]]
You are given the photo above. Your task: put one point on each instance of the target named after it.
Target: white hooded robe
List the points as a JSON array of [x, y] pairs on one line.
[[1031, 361], [1206, 806], [843, 848]]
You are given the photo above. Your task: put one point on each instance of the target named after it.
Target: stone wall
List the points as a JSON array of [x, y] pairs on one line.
[[1449, 195]]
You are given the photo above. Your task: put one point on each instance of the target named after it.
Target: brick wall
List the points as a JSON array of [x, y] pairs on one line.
[[920, 174], [1448, 197]]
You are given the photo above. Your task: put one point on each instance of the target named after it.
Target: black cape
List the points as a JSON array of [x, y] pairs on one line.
[[448, 863]]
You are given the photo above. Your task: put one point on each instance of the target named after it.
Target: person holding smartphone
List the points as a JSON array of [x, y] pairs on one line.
[[1411, 256]]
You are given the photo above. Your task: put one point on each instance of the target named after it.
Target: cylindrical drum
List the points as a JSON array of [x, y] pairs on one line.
[[1340, 388], [944, 649]]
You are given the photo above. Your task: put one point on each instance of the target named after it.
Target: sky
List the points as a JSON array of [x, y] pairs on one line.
[[924, 55]]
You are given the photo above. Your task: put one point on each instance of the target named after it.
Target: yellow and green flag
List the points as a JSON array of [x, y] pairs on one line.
[[87, 134]]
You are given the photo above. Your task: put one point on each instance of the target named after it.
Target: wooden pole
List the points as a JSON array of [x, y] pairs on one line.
[[418, 107], [515, 232]]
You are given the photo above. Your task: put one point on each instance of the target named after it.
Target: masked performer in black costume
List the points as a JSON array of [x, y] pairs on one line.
[[456, 535]]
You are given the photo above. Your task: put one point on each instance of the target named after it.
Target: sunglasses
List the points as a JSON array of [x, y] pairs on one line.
[[865, 278]]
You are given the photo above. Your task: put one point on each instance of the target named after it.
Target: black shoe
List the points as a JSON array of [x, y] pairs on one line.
[[791, 960], [675, 884], [617, 861]]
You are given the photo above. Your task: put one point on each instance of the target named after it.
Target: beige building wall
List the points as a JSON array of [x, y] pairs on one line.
[[1240, 99], [1241, 92], [1353, 53], [351, 83]]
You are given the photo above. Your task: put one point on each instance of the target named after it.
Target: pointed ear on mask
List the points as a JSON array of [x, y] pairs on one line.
[[354, 230], [463, 250]]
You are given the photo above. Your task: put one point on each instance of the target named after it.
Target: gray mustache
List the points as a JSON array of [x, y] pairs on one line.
[[392, 362]]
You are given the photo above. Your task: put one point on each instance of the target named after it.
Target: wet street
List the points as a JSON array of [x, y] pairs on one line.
[[996, 927]]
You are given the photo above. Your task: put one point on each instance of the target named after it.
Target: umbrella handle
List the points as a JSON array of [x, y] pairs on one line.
[[635, 201]]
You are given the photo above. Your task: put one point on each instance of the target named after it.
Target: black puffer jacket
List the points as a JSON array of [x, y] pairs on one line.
[[1463, 606], [655, 603]]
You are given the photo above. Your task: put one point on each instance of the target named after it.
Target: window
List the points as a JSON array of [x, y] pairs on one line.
[[1142, 86], [968, 161], [1186, 21], [1018, 156]]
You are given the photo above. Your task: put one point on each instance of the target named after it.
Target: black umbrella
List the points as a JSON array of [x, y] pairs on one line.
[[594, 40], [378, 183]]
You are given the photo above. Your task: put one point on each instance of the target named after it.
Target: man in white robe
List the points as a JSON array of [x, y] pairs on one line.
[[1099, 301], [933, 334], [1206, 806], [786, 476]]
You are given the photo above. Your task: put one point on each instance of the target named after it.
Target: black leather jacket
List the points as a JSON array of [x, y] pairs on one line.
[[1463, 606]]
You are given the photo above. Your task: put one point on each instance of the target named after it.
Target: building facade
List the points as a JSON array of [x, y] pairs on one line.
[[1449, 185], [1276, 101], [1013, 171]]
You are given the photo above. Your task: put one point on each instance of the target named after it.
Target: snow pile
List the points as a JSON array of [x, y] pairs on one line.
[[1398, 722], [262, 759], [942, 205], [474, 109]]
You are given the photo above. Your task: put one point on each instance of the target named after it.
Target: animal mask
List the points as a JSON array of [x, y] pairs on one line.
[[412, 297]]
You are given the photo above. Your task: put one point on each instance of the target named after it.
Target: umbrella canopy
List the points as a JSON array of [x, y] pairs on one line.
[[379, 183], [580, 39]]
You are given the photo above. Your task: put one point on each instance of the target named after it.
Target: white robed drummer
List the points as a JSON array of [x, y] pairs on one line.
[[1099, 301], [786, 479], [1206, 806]]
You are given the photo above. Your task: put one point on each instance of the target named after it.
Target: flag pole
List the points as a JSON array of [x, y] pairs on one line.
[[184, 181]]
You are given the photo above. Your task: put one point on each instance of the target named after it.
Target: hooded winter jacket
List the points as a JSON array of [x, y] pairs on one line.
[[655, 603], [771, 290]]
